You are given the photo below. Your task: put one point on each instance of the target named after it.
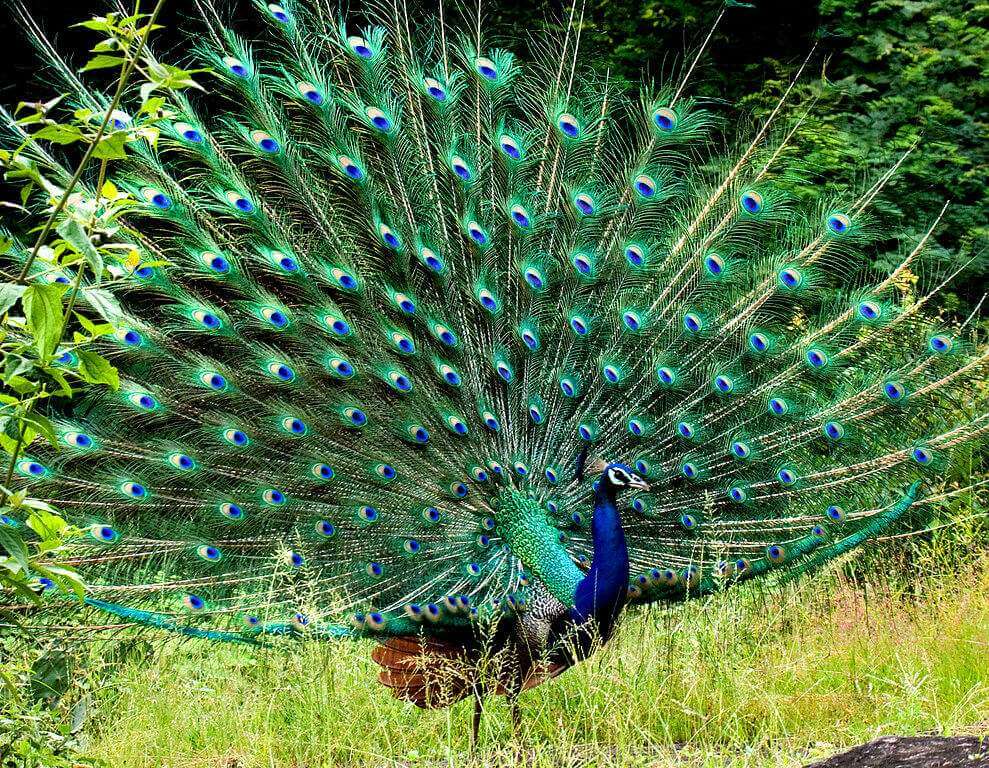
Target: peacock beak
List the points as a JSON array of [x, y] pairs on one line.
[[639, 484]]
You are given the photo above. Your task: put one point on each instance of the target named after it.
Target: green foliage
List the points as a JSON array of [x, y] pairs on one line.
[[35, 731], [43, 340]]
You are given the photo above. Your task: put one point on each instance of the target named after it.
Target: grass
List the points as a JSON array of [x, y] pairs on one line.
[[755, 678]]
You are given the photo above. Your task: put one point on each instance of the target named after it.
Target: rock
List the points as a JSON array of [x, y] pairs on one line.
[[914, 752]]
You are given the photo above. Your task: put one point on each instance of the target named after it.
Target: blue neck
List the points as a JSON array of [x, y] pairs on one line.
[[602, 593]]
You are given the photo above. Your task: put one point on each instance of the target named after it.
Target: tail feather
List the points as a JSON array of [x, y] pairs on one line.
[[398, 274]]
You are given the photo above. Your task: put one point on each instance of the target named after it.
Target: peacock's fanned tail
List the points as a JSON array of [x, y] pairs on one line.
[[390, 290]]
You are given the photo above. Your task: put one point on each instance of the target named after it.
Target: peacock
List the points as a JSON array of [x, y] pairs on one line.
[[426, 343]]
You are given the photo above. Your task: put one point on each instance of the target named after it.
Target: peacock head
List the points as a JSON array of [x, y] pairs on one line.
[[617, 476]]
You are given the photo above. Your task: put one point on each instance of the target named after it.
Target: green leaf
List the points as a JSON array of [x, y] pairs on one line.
[[43, 312], [46, 523], [75, 235], [59, 133], [111, 147], [42, 426], [97, 370], [9, 294], [14, 546], [64, 577], [103, 61]]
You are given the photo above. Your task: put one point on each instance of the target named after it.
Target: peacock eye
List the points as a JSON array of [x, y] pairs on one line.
[[791, 278], [231, 511], [265, 142], [477, 233], [488, 300], [280, 371], [181, 461], [379, 119], [213, 380], [323, 471], [635, 255], [326, 529], [457, 425], [435, 88], [510, 147], [360, 47], [207, 319], [142, 400], [869, 310], [275, 316], [894, 391], [520, 216], [486, 68], [273, 497], [751, 202], [236, 67], [714, 264], [665, 119], [940, 344], [294, 426], [214, 262], [568, 125], [584, 264], [241, 203], [839, 223], [157, 198], [431, 259], [278, 13], [103, 534], [236, 437], [834, 430], [645, 186], [344, 279], [490, 421], [350, 167], [309, 92], [534, 278], [449, 375], [817, 358], [584, 204], [209, 553], [460, 168], [188, 133]]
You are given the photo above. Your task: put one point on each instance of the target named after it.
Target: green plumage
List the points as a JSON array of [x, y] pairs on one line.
[[401, 280]]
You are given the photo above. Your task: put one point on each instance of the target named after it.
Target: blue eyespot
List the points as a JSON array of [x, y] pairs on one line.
[[635, 255], [869, 310], [510, 147], [666, 375], [360, 46], [486, 68], [759, 342], [940, 344], [714, 264], [584, 203], [435, 89], [834, 430], [838, 223], [791, 278], [568, 125], [894, 390], [787, 476], [692, 322], [922, 456], [778, 406], [816, 357], [751, 202], [665, 119]]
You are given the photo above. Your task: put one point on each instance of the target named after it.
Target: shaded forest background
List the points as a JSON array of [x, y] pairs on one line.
[[897, 72]]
